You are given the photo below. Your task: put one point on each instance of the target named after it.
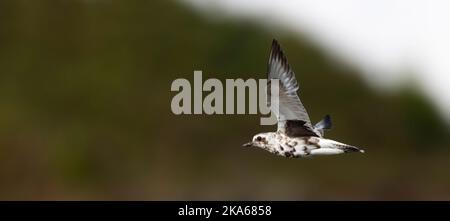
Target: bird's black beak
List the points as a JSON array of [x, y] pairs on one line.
[[249, 144]]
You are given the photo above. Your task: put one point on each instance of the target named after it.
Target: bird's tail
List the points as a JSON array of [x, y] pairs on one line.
[[345, 147], [348, 149]]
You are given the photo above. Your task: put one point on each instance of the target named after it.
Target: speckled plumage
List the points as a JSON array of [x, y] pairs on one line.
[[295, 136], [292, 147]]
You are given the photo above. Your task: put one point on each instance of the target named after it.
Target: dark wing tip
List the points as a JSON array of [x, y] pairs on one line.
[[276, 54], [276, 51], [275, 43], [328, 123]]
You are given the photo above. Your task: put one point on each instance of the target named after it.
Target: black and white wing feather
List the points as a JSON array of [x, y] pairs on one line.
[[292, 116]]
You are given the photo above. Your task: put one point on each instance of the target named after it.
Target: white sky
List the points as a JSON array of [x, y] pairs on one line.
[[390, 41]]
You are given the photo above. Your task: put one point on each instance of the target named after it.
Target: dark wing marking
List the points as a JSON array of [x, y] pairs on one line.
[[297, 128]]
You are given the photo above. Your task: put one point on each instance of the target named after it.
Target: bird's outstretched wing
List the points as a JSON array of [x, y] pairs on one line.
[[293, 119]]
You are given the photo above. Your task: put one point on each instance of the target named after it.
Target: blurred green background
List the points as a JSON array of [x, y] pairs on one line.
[[85, 112]]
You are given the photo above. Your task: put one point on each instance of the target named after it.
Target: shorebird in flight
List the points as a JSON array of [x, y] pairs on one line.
[[295, 136]]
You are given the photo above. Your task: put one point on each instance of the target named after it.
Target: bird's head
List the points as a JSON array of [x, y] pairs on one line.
[[259, 140]]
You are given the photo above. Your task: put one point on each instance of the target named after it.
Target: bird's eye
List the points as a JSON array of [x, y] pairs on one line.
[[258, 138]]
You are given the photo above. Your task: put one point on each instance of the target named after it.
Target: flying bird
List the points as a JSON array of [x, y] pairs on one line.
[[295, 136]]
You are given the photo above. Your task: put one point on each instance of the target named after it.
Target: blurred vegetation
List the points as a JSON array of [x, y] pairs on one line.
[[85, 112]]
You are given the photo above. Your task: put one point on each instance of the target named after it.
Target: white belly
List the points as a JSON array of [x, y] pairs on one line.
[[326, 151], [304, 147]]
